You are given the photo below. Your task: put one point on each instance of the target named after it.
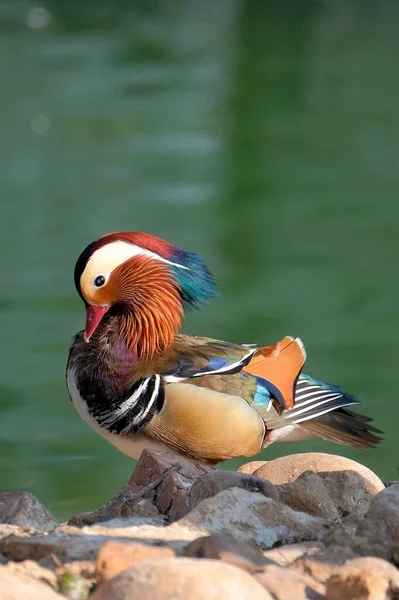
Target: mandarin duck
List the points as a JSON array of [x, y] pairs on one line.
[[140, 383]]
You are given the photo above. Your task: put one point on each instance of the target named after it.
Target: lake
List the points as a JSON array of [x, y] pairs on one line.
[[262, 135]]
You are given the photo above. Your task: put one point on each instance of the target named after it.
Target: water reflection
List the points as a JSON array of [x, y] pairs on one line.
[[263, 135]]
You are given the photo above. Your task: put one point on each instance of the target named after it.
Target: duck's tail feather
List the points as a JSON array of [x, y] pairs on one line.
[[345, 427], [321, 411]]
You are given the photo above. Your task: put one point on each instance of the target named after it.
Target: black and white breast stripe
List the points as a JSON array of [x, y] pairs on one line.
[[128, 413], [312, 401]]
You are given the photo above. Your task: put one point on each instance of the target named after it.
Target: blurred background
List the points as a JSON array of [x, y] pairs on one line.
[[261, 134]]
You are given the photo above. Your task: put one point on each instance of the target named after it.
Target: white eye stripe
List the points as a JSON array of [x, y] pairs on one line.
[[104, 260], [118, 252]]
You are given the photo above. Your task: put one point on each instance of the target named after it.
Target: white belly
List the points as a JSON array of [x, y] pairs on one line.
[[130, 445]]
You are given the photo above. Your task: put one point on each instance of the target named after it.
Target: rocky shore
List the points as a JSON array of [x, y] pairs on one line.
[[305, 526]]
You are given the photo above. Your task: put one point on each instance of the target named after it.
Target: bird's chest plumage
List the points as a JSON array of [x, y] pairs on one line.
[[131, 445], [106, 391]]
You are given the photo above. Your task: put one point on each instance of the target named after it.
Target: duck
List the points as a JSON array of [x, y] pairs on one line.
[[141, 383]]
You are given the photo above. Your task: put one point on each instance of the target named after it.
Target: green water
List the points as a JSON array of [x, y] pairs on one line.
[[264, 135]]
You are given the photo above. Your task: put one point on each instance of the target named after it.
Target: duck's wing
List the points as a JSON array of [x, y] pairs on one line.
[[275, 368], [214, 408]]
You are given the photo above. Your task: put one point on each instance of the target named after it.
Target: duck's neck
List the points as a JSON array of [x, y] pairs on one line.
[[107, 361], [120, 392]]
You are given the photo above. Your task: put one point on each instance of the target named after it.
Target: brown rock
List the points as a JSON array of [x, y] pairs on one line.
[[253, 518], [378, 565], [32, 570], [228, 549], [323, 565], [23, 509], [309, 494], [6, 530], [319, 566], [127, 502], [152, 465], [285, 584], [171, 490], [142, 508], [114, 557], [384, 511], [285, 555], [182, 579], [351, 485], [363, 579], [151, 490], [211, 484], [250, 467], [84, 568], [19, 586]]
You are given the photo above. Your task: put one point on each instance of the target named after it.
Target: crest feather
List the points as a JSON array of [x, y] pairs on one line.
[[196, 282]]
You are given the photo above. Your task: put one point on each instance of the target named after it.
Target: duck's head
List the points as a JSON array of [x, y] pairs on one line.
[[149, 281]]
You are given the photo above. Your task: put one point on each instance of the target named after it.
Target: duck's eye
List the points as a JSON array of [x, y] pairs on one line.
[[99, 280]]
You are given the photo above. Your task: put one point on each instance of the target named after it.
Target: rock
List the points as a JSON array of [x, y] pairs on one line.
[[151, 491], [250, 467], [388, 483], [352, 584], [323, 565], [6, 530], [351, 485], [211, 484], [319, 566], [23, 509], [285, 584], [309, 494], [66, 548], [253, 518], [229, 550], [180, 579], [285, 555], [370, 563], [76, 544], [127, 502], [363, 579], [171, 490], [17, 587], [350, 523], [395, 553], [32, 570], [152, 465], [144, 509], [369, 539], [114, 557], [84, 568], [384, 510]]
